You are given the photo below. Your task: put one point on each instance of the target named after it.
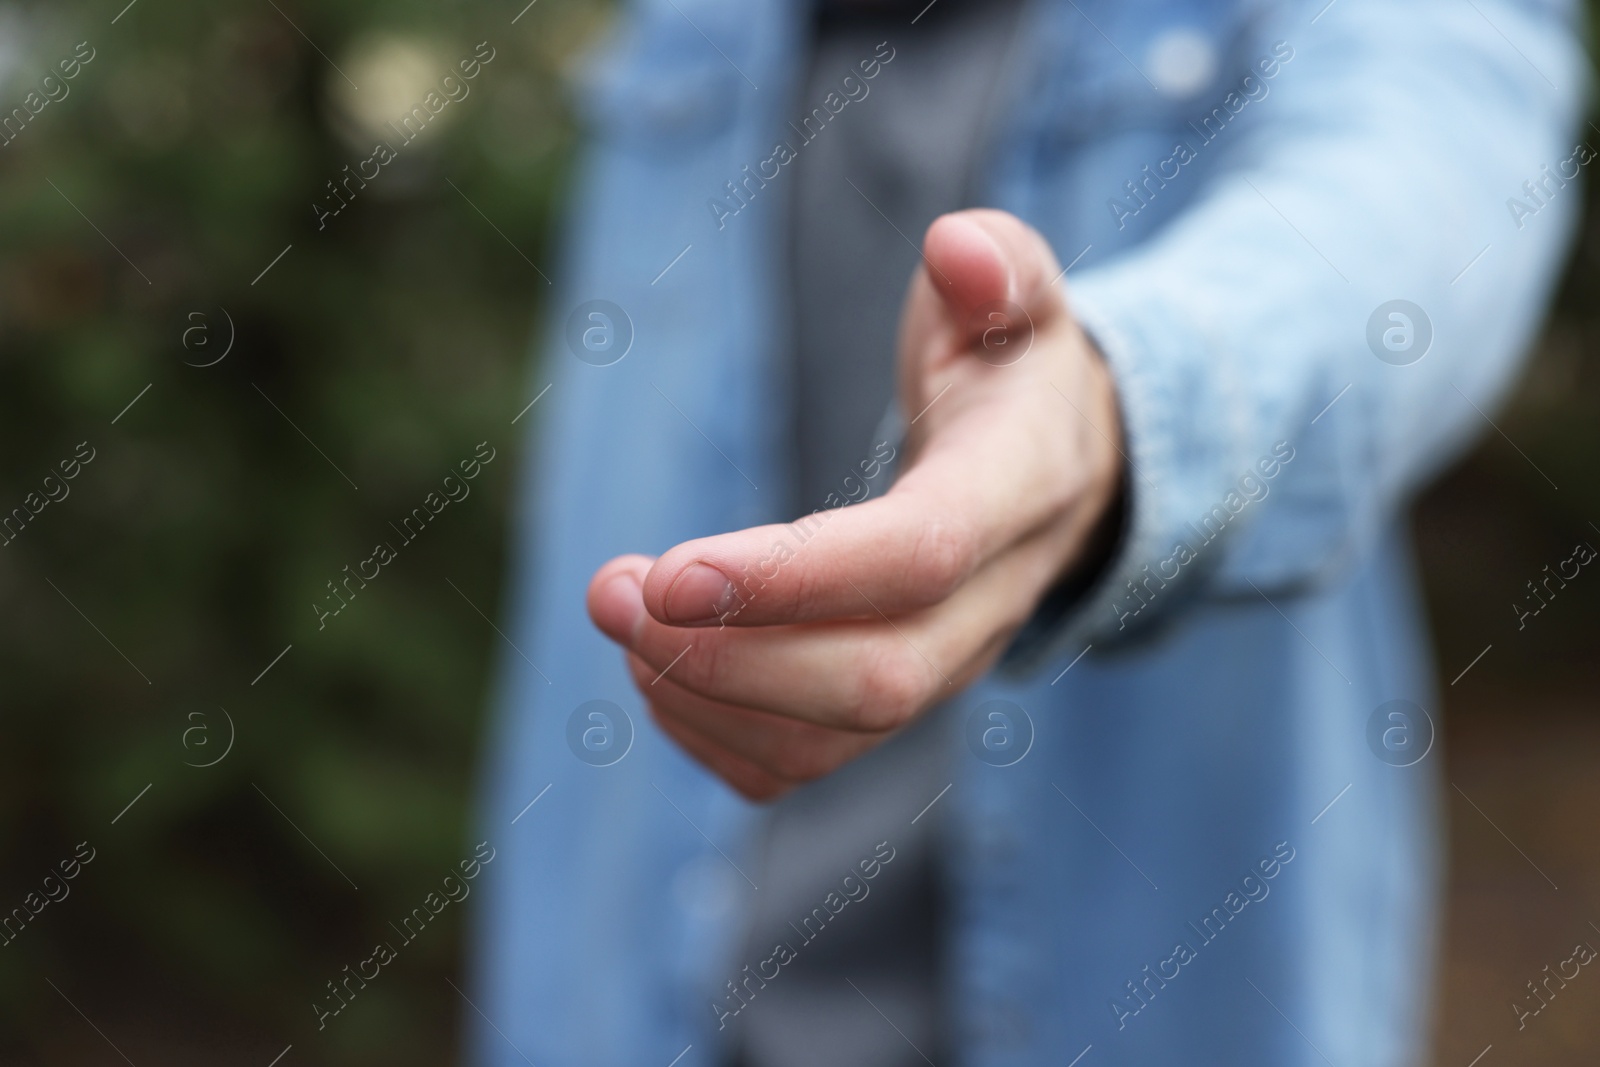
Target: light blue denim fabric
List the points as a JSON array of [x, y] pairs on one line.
[[1206, 733]]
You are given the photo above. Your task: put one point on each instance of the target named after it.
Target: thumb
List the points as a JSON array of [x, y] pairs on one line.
[[993, 276]]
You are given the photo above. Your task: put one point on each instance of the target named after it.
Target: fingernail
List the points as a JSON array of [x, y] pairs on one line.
[[619, 606], [700, 594]]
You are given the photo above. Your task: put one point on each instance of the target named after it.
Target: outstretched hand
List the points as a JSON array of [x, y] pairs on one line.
[[892, 605]]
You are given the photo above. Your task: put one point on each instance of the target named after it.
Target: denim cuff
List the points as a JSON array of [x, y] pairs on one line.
[[1183, 430]]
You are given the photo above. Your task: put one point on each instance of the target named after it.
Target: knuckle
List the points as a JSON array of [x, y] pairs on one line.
[[811, 595], [892, 692], [943, 555], [703, 668]]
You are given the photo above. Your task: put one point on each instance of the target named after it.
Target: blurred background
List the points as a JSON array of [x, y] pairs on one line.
[[255, 425]]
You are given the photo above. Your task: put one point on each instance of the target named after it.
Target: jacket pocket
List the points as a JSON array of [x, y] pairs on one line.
[[1135, 66]]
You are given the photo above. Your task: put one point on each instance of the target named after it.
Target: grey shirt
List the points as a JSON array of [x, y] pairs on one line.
[[865, 984]]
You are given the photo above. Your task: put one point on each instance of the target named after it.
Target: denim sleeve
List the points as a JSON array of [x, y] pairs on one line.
[[1386, 166]]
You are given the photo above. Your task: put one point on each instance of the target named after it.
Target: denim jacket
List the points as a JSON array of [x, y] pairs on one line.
[[1312, 241]]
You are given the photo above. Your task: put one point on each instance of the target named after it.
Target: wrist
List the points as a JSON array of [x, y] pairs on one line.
[[1093, 520]]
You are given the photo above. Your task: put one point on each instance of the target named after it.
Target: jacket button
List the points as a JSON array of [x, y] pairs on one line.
[[1181, 62]]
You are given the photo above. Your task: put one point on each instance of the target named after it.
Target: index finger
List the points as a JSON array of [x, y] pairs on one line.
[[895, 554], [965, 500]]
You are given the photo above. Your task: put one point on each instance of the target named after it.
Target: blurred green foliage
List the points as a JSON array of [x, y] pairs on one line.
[[187, 156]]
